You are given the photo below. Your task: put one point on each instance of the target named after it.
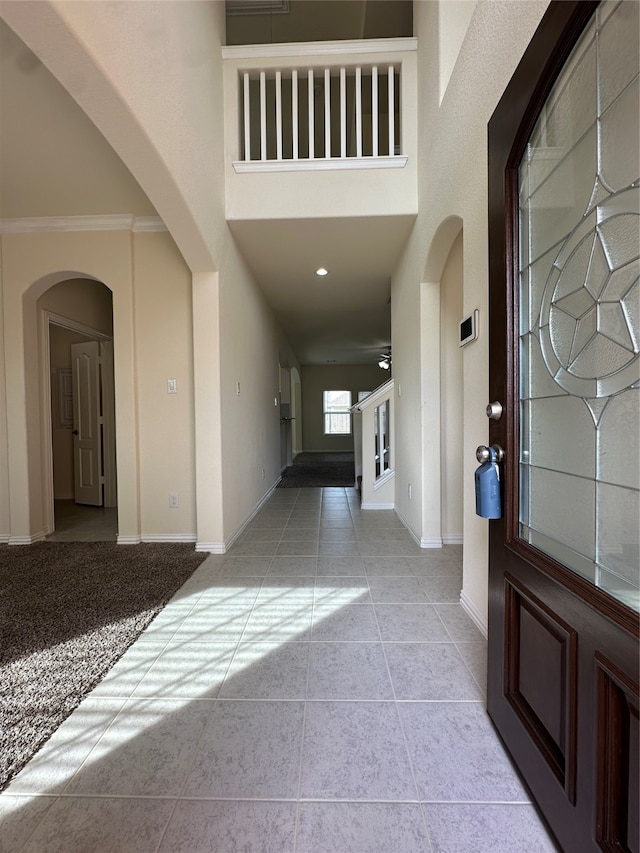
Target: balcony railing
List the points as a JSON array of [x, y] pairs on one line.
[[320, 105]]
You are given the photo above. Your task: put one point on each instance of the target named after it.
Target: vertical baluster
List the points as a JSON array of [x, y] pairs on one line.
[[278, 115], [374, 110], [311, 116], [358, 112], [343, 113], [294, 112], [247, 120], [392, 142], [327, 112], [263, 115]]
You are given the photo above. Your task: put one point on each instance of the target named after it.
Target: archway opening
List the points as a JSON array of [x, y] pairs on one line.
[[79, 447]]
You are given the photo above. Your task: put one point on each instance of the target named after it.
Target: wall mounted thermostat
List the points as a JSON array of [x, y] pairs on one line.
[[468, 329]]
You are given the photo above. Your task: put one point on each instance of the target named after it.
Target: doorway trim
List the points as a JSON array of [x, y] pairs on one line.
[[46, 320]]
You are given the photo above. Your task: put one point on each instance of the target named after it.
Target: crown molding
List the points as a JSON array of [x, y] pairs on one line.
[[108, 222]]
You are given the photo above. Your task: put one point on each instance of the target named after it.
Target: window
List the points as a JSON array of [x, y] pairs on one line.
[[337, 417]]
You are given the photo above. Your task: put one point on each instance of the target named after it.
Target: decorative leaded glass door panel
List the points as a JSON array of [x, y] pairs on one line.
[[564, 176], [579, 312]]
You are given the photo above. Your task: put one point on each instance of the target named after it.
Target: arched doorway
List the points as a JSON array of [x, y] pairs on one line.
[[78, 411]]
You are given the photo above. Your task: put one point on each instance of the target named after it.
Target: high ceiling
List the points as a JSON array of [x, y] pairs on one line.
[[344, 317]]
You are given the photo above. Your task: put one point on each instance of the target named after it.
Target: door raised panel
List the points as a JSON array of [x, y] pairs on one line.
[[541, 677], [618, 749]]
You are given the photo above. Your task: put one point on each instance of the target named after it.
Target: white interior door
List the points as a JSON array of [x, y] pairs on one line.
[[87, 423]]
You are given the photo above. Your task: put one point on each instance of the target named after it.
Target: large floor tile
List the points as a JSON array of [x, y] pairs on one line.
[[360, 827], [355, 751], [249, 750], [486, 828], [101, 825], [387, 566], [278, 622], [189, 670], [147, 751], [475, 657], [53, 767], [442, 590], [410, 622], [340, 566], [217, 621], [348, 671], [230, 827], [456, 754], [338, 549], [267, 671], [459, 625], [338, 591], [19, 817], [432, 671], [397, 590], [123, 678], [350, 622], [370, 548], [300, 548], [292, 566], [245, 566]]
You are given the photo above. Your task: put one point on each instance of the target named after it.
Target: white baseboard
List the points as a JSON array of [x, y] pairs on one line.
[[168, 537], [453, 539], [129, 540], [377, 506], [4, 538], [211, 547], [436, 542], [473, 613], [27, 540]]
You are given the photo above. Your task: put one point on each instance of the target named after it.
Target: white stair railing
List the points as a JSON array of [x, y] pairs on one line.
[[338, 115]]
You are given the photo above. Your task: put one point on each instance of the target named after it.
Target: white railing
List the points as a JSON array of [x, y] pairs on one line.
[[320, 105], [305, 114]]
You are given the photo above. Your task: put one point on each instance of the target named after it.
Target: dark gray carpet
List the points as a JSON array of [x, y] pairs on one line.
[[319, 469], [68, 611]]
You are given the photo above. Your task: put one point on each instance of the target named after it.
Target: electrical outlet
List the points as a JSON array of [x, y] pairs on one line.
[[238, 388], [263, 474], [172, 386], [409, 490], [174, 500]]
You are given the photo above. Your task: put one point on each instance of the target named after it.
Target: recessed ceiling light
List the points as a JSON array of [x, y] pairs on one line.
[[322, 271]]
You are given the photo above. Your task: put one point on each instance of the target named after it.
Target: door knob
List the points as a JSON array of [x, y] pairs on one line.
[[75, 432], [485, 454]]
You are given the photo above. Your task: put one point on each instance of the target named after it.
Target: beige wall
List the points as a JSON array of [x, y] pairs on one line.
[[47, 165], [187, 301], [251, 347], [152, 341], [163, 350], [452, 192], [315, 380]]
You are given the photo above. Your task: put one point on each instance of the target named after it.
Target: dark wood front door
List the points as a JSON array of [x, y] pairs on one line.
[[563, 597]]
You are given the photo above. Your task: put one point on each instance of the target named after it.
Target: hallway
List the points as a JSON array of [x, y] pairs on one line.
[[317, 688]]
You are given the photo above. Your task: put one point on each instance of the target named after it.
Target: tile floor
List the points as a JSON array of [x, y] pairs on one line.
[[78, 523], [318, 688]]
